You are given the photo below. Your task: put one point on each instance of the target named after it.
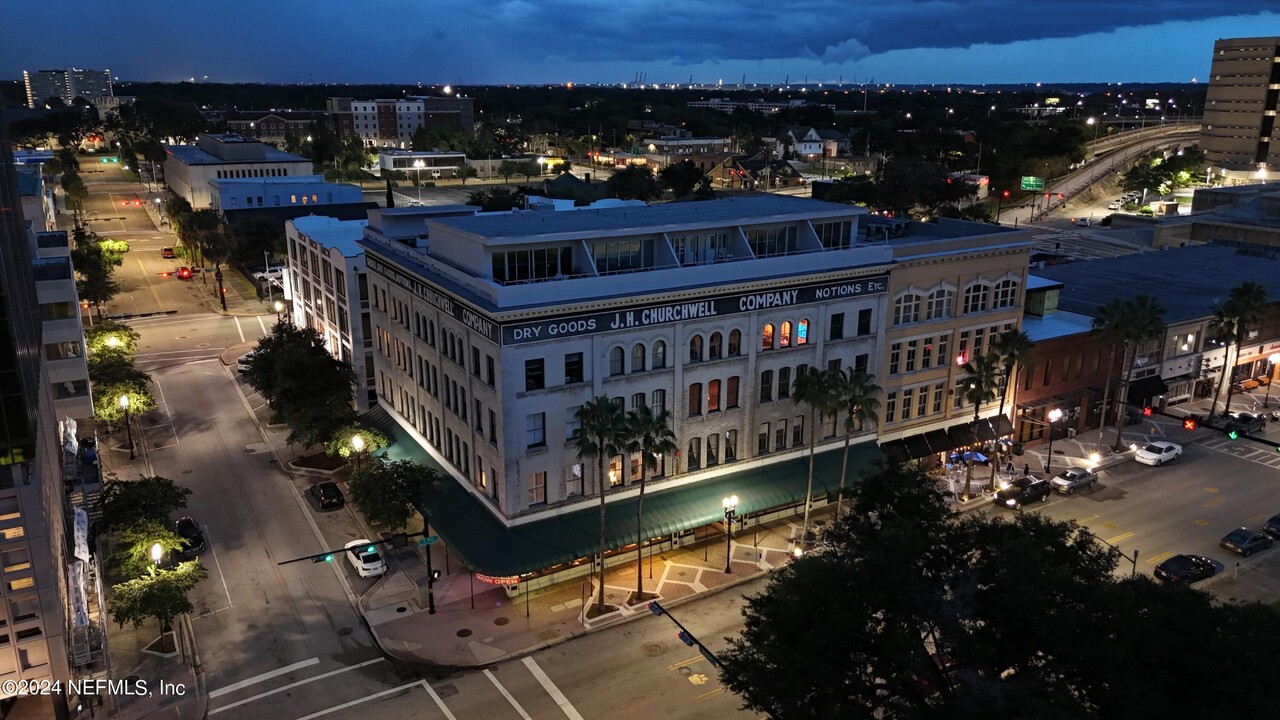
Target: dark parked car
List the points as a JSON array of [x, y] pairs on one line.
[[1272, 526], [1022, 491], [192, 537], [327, 495], [1246, 423], [1246, 542], [1185, 569]]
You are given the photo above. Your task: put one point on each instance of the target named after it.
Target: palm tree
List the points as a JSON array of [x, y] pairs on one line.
[[649, 434], [818, 390], [601, 427], [1145, 322], [980, 384], [860, 396], [1246, 304], [1013, 350], [1110, 324]]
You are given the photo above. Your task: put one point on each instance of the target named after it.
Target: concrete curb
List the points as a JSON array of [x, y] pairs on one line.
[[408, 660]]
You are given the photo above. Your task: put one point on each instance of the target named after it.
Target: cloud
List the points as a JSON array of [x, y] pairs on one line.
[[851, 50]]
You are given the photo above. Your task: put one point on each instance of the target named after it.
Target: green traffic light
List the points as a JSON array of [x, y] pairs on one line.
[[371, 548], [328, 558], [1233, 435]]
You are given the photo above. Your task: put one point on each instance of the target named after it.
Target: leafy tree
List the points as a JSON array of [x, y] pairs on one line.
[[304, 385], [465, 172], [249, 240], [1111, 326], [648, 433], [601, 434], [980, 381], [113, 250], [859, 396], [819, 390], [682, 178], [387, 492], [110, 336], [1233, 321], [75, 189], [634, 182], [115, 368], [1013, 350], [161, 595], [131, 557], [342, 443], [106, 401], [498, 199], [96, 284], [529, 168], [507, 168], [129, 502]]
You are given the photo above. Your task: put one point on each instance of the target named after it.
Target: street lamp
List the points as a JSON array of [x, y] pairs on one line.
[[279, 309], [113, 341], [1054, 416], [357, 444], [1096, 127], [417, 169], [542, 163], [1272, 359], [124, 403], [730, 509], [157, 552]]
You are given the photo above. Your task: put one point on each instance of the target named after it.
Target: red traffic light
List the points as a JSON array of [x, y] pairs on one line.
[[1059, 196], [1147, 412], [1005, 194], [1189, 424]]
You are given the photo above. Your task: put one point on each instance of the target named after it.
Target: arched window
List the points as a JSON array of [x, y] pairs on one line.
[[637, 357], [906, 309], [766, 337], [695, 349], [802, 332], [784, 335], [616, 359], [735, 343], [975, 298], [939, 307], [659, 355], [1006, 294], [714, 344]]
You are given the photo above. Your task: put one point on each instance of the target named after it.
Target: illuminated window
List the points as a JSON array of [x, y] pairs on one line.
[[766, 337], [802, 332], [784, 335]]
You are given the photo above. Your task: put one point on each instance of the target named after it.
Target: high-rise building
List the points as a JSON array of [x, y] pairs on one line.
[[44, 632], [66, 85], [1239, 135]]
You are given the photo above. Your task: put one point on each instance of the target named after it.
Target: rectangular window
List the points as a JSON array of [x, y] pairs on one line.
[[780, 436], [912, 347], [493, 428], [890, 407], [1048, 371], [833, 365], [907, 396], [766, 386], [573, 368], [479, 417], [959, 394], [864, 321], [784, 383], [695, 453], [731, 393], [534, 374], [1079, 365], [573, 480], [926, 354], [937, 397], [829, 424], [860, 362], [836, 331], [713, 396], [922, 401], [731, 446], [658, 401], [535, 426], [943, 356], [1027, 375], [538, 487], [695, 399], [713, 449], [797, 431], [895, 358], [488, 363], [762, 440], [637, 400], [475, 361]]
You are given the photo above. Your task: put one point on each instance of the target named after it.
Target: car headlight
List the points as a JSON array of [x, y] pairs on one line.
[[1011, 502]]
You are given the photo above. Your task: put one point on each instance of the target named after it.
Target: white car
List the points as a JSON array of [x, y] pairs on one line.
[[363, 556], [1158, 453], [243, 363], [1113, 206], [275, 273], [1083, 222]]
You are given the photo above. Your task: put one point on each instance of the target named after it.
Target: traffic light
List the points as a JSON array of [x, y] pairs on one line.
[[327, 557], [656, 609], [1059, 196], [1189, 424], [1233, 435], [1005, 194], [685, 638], [371, 549], [399, 540], [1147, 411]]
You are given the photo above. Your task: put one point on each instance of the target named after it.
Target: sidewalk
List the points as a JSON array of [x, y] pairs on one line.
[[476, 624]]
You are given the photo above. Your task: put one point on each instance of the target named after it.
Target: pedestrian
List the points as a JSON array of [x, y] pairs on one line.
[[1026, 469]]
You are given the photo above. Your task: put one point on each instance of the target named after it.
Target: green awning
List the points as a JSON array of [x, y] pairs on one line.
[[486, 546]]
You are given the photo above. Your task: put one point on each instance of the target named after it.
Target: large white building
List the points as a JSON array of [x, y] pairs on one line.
[[494, 330], [66, 85], [189, 168], [275, 192]]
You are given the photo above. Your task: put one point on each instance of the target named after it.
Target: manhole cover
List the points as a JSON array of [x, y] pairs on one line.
[[654, 649], [684, 671], [681, 573], [402, 609], [186, 472], [343, 632], [464, 632], [202, 345], [501, 621]]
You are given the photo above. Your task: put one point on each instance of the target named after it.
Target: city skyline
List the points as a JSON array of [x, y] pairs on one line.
[[993, 41]]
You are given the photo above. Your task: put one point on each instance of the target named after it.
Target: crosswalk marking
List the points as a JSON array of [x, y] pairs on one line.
[[569, 711], [293, 685], [493, 679]]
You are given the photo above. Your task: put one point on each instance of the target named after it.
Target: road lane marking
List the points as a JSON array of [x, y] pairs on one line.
[[1160, 558], [524, 715], [682, 663], [569, 711], [293, 685], [366, 698], [1215, 501], [439, 703], [709, 695], [263, 326], [1118, 538], [1256, 518], [264, 676], [212, 549], [238, 328]]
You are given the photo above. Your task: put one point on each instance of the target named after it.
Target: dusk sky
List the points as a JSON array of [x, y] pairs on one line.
[[555, 41]]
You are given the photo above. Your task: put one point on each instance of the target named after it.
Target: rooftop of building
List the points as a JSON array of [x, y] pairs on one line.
[[393, 152], [286, 180], [253, 115], [196, 155], [727, 212], [1061, 323], [1189, 282], [332, 232]]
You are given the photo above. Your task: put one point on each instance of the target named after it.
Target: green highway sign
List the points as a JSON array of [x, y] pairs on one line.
[[1030, 182]]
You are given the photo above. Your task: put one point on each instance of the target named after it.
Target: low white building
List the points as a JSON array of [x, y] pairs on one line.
[[189, 168], [425, 165], [291, 191]]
